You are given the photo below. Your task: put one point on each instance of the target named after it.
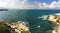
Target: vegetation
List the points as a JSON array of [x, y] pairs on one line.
[[49, 31], [7, 29], [25, 32], [3, 28]]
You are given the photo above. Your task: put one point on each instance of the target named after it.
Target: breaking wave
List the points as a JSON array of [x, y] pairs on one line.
[[44, 17], [24, 22]]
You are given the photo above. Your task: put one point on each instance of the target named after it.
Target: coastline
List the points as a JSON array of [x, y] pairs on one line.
[[17, 27]]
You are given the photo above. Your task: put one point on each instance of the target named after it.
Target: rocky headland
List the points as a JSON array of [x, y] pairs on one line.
[[14, 27]]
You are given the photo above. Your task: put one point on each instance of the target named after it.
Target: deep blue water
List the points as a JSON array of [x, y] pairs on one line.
[[31, 16]]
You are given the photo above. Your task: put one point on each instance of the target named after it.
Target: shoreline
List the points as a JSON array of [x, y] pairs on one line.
[[17, 27]]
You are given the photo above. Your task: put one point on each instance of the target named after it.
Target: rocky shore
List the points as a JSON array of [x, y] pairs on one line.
[[18, 27], [55, 19]]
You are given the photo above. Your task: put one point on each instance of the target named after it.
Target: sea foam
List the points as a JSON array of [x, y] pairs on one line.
[[44, 17]]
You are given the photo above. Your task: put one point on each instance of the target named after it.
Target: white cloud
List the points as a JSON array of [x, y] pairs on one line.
[[53, 5], [7, 3], [24, 1], [13, 3], [19, 4], [41, 5], [38, 5], [26, 7], [23, 4]]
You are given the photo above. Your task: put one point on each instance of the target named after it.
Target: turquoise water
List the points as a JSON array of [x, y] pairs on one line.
[[31, 16]]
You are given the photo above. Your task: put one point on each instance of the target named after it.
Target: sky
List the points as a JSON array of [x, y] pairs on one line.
[[30, 4]]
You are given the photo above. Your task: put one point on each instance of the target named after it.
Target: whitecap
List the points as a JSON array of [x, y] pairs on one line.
[[23, 22], [57, 13], [38, 26], [44, 17], [53, 31]]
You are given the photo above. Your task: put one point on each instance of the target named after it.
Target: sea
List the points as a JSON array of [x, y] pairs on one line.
[[36, 25]]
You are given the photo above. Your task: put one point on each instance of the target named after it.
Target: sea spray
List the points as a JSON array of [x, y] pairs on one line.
[[44, 17]]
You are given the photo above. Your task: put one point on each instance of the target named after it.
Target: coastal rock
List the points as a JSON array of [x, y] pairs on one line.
[[16, 27], [55, 19]]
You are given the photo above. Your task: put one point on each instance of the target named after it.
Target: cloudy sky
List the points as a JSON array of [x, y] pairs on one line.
[[30, 4]]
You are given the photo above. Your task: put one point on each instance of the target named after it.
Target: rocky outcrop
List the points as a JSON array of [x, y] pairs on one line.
[[55, 19], [17, 27]]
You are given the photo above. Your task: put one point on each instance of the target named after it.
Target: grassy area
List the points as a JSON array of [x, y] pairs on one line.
[[3, 28], [25, 32]]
